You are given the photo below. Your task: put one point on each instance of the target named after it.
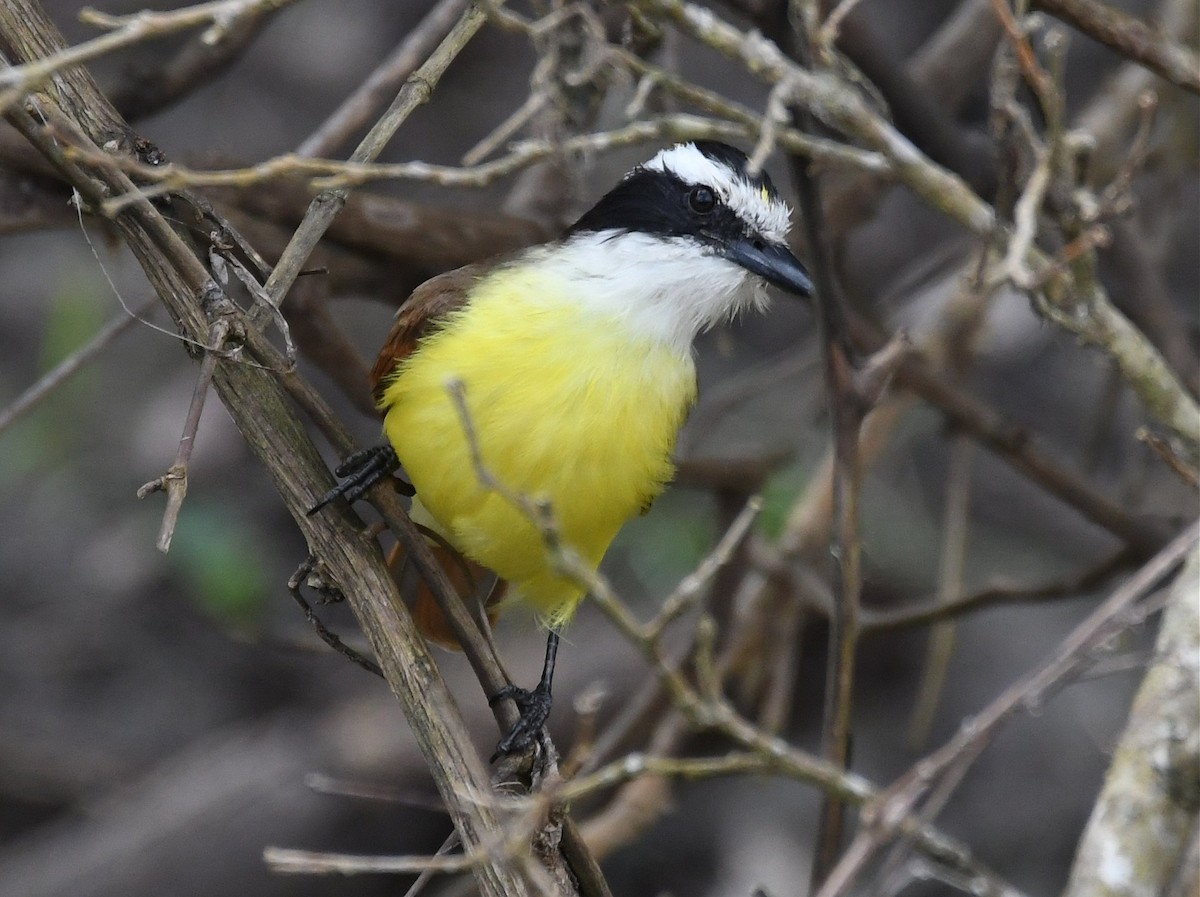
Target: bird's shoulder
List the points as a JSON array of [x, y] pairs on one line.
[[421, 313]]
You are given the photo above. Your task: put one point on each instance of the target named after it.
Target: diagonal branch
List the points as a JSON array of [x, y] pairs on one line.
[[126, 31], [1086, 312], [1140, 827], [325, 207], [1075, 652], [205, 57], [1132, 38], [357, 109], [261, 411]]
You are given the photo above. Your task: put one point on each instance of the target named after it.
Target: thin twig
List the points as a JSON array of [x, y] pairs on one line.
[[690, 588], [1130, 37], [1076, 651], [827, 34], [125, 31], [483, 148], [940, 608], [635, 765], [312, 862], [955, 527], [295, 583], [328, 174], [72, 364], [175, 481], [783, 669], [1088, 314], [356, 110], [1026, 59], [1166, 452], [324, 208]]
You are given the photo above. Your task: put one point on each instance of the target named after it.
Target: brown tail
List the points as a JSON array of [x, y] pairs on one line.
[[465, 575]]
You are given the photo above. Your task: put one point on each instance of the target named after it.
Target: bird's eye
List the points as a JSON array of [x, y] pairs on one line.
[[702, 200]]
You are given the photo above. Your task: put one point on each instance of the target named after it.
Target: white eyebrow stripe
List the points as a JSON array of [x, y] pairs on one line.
[[770, 217]]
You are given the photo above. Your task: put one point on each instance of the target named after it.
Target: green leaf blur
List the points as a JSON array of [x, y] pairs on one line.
[[214, 554]]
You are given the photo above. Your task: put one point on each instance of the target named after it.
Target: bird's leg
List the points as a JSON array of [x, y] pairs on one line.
[[360, 472], [534, 705]]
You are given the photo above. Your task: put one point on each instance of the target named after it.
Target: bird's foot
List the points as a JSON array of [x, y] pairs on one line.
[[535, 710], [360, 472]]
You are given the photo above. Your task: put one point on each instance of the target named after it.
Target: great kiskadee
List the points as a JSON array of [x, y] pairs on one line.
[[575, 361]]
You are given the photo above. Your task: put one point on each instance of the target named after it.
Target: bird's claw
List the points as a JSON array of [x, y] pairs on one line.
[[359, 472], [535, 710]]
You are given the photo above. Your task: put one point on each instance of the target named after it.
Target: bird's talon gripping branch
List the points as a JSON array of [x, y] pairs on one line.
[[535, 710], [534, 705], [359, 472]]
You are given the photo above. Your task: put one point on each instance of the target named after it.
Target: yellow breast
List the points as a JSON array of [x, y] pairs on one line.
[[567, 405]]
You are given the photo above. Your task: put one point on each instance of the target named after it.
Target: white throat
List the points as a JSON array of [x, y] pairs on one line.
[[668, 289]]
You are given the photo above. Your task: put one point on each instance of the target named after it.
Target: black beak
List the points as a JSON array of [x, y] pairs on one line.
[[773, 262]]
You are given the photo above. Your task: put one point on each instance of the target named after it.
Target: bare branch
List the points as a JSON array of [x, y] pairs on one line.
[[1087, 313], [72, 364], [1142, 823], [175, 481], [205, 57], [259, 408], [1170, 457], [1131, 38], [356, 110], [416, 90], [955, 527], [941, 608], [307, 572], [327, 174], [125, 31], [1075, 652], [691, 586]]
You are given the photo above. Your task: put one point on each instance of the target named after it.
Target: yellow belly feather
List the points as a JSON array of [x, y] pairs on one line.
[[567, 405]]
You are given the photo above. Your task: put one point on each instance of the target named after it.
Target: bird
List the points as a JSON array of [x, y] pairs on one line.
[[566, 371]]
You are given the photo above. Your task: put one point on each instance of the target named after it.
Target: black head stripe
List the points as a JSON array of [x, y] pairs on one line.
[[646, 201], [655, 201]]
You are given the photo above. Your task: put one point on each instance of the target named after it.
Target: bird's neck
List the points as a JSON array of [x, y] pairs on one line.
[[665, 290]]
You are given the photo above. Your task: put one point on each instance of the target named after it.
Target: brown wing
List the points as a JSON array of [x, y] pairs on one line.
[[464, 575], [428, 304]]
